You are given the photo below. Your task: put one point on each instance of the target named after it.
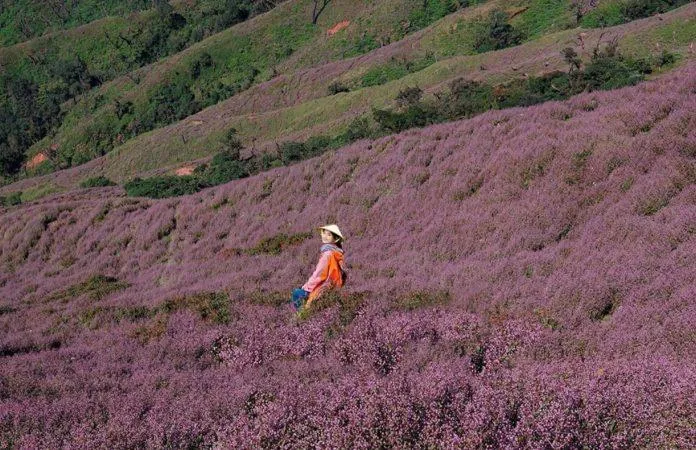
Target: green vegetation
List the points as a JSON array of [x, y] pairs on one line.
[[612, 13], [608, 69], [495, 33], [13, 199], [433, 10], [211, 306], [276, 244], [99, 181], [164, 186], [228, 165], [543, 16], [24, 19], [267, 298], [41, 76], [395, 69], [348, 303], [233, 61], [420, 299], [95, 287], [111, 114]]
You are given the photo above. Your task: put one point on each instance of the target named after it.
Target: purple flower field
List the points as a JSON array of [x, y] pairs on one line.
[[523, 279]]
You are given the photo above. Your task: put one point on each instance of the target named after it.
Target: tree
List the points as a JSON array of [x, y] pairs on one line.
[[319, 6]]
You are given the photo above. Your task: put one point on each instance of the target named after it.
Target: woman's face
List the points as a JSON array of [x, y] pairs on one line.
[[327, 237]]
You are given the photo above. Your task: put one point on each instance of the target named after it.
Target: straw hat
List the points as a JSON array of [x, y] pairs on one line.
[[334, 229]]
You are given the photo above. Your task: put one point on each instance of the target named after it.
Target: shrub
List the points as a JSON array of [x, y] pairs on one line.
[[464, 99], [297, 151], [99, 181], [337, 87], [359, 128], [665, 58], [410, 96], [225, 167], [200, 64], [413, 116], [12, 199], [610, 72], [164, 186], [496, 33], [394, 70], [169, 103], [231, 142], [292, 151]]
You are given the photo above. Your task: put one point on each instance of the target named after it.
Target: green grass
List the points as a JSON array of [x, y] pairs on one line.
[[39, 191], [544, 16], [95, 287], [607, 14], [394, 70]]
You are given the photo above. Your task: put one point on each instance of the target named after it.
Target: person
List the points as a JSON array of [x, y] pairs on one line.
[[329, 272]]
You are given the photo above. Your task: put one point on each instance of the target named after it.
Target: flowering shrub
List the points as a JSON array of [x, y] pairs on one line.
[[529, 313]]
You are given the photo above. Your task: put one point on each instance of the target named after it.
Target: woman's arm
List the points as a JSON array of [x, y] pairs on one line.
[[320, 273]]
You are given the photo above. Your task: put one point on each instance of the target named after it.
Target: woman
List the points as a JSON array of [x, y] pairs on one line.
[[329, 271]]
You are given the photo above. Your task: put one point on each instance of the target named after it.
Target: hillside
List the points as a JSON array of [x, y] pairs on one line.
[[521, 279], [43, 79], [148, 74], [297, 105]]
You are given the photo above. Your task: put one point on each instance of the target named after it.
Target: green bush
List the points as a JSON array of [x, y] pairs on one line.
[[99, 181], [413, 116], [496, 33], [395, 69], [200, 64], [338, 87], [164, 186], [12, 199], [167, 104], [464, 99], [348, 303], [612, 71], [297, 151], [223, 168], [359, 128]]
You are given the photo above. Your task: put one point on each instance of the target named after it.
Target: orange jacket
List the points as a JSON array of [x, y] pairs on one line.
[[327, 274]]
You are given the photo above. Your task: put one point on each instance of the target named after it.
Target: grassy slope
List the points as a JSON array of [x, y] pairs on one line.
[[262, 43], [197, 137]]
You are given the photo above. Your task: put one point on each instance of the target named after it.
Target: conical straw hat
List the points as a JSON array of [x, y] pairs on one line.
[[334, 229]]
